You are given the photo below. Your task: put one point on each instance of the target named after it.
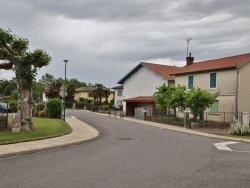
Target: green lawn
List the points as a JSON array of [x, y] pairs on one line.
[[44, 128]]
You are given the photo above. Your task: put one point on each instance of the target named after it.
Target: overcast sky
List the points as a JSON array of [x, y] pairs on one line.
[[104, 39]]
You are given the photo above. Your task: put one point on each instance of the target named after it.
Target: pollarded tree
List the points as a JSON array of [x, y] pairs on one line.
[[15, 56]]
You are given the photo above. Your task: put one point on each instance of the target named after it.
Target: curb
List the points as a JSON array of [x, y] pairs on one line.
[[85, 140], [176, 129]]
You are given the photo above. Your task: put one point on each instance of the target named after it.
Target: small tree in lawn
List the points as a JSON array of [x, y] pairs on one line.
[[15, 56], [198, 100]]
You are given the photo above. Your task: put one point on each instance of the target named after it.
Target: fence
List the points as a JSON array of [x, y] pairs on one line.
[[116, 113], [221, 119]]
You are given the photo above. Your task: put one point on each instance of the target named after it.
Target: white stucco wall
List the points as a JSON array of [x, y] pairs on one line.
[[116, 97], [142, 83]]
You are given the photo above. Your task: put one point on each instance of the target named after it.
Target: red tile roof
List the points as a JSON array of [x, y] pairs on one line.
[[140, 99], [215, 64], [162, 70], [85, 89], [118, 87]]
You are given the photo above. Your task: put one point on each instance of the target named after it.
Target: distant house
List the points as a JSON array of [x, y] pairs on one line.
[[118, 95], [229, 75], [140, 84], [86, 92]]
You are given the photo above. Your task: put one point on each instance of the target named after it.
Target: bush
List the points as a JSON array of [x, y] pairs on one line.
[[13, 106], [69, 104], [105, 107], [237, 128], [54, 108], [95, 108], [40, 107], [42, 114]]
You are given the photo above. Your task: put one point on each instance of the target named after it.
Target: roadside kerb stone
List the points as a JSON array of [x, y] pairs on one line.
[[81, 133]]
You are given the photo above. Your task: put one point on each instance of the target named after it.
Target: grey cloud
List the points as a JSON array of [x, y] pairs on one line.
[[104, 39]]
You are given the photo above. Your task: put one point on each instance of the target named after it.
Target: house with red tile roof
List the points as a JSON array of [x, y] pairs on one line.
[[140, 84], [229, 75], [86, 92], [118, 96]]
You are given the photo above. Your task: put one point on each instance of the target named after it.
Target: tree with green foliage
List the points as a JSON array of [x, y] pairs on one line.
[[15, 56], [99, 91], [70, 93], [76, 83], [170, 97], [198, 100], [47, 80], [37, 91], [160, 96], [177, 98]]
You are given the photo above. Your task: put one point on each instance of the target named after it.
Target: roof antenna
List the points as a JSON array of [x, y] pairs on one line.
[[188, 39]]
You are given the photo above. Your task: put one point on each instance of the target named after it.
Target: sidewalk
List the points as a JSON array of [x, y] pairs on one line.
[[207, 132], [212, 133], [81, 132]]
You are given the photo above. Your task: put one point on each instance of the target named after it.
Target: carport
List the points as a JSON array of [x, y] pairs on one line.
[[138, 102]]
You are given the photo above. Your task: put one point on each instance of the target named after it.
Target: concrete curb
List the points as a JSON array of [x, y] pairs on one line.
[[179, 129], [81, 133]]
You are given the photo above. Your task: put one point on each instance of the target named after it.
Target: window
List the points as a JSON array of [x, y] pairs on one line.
[[119, 103], [215, 107], [190, 81], [213, 80], [119, 92], [90, 95]]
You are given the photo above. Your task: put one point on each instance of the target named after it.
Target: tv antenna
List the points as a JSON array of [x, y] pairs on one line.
[[188, 39]]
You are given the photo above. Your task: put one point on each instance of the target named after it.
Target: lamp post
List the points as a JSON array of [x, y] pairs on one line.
[[64, 88]]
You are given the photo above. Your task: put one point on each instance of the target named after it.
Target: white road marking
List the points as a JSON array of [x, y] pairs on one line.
[[223, 145], [72, 116]]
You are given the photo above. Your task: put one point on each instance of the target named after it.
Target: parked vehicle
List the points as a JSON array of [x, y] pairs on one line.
[[4, 107]]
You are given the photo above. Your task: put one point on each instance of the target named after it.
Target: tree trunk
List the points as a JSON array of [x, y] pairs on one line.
[[25, 108], [24, 103], [174, 112]]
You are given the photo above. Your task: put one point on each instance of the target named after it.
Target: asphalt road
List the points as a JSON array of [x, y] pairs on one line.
[[131, 155]]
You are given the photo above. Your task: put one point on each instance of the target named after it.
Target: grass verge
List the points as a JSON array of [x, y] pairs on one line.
[[44, 128]]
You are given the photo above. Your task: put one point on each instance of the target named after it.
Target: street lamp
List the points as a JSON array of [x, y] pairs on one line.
[[64, 88]]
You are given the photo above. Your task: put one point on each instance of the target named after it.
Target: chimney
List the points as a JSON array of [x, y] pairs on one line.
[[189, 60]]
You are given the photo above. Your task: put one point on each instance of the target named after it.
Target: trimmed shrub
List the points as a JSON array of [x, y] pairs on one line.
[[54, 108], [40, 107], [42, 114], [105, 107], [95, 108]]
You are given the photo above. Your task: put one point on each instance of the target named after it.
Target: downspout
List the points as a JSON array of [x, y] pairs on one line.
[[237, 92]]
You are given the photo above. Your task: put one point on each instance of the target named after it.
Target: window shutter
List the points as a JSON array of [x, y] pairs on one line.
[[190, 81], [213, 80]]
